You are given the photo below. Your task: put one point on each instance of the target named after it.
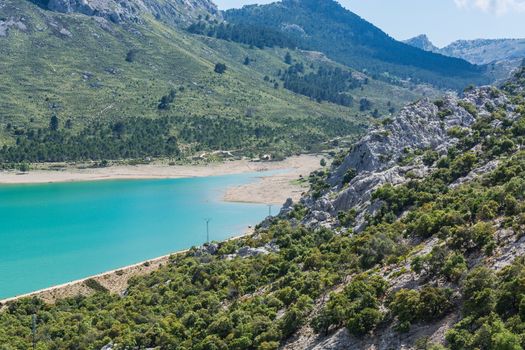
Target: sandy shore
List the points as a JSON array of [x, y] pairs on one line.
[[273, 189]]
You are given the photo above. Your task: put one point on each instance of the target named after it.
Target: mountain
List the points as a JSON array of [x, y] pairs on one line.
[[502, 56], [105, 79], [486, 51], [422, 42], [411, 239], [324, 25], [181, 12], [422, 187]]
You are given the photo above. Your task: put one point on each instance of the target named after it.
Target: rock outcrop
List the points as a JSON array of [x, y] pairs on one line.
[[422, 42], [176, 12], [375, 159], [6, 25]]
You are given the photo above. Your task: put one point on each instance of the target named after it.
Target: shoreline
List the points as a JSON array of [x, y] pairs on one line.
[[115, 281], [62, 173], [268, 189]]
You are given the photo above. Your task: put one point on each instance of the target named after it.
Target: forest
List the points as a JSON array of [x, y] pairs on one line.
[[256, 36], [325, 84], [173, 137], [326, 26]]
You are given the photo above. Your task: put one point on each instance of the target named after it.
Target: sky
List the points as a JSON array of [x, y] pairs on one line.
[[443, 21]]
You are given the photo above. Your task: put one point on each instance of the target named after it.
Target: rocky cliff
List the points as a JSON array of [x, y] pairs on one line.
[[380, 156], [422, 42], [407, 155], [171, 11]]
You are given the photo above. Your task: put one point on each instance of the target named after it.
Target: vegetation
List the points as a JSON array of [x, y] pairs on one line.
[[168, 137], [326, 278], [343, 36], [324, 85], [161, 73], [257, 36]]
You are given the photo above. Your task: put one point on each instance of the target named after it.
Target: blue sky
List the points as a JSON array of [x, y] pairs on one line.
[[442, 20]]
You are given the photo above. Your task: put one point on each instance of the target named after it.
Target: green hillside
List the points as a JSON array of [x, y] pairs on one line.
[[89, 72], [326, 26]]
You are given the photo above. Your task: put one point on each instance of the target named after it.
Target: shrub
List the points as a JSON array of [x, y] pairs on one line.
[[220, 68], [478, 292], [410, 306], [349, 175]]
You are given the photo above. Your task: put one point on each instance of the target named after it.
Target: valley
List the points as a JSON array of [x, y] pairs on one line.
[[276, 176]]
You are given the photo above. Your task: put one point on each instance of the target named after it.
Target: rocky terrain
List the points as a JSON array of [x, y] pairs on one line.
[[394, 154], [174, 12], [375, 159], [422, 42], [502, 56], [486, 51]]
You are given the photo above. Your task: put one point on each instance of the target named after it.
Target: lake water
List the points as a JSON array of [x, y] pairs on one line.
[[55, 233]]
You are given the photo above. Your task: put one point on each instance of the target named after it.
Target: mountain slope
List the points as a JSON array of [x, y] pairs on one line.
[[88, 70], [430, 178], [174, 12], [437, 264], [326, 26], [485, 51], [502, 56]]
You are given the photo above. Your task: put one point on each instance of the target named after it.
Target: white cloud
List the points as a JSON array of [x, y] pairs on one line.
[[499, 7]]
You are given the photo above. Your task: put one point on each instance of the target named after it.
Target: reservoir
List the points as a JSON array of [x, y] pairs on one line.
[[51, 234]]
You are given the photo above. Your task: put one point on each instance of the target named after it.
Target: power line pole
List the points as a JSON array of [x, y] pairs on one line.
[[208, 230]]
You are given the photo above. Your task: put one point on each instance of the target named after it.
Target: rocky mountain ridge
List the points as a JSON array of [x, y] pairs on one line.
[[479, 51], [375, 159], [502, 56], [486, 51], [422, 42], [171, 11], [394, 155]]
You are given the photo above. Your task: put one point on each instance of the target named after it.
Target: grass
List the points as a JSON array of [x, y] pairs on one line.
[[85, 77]]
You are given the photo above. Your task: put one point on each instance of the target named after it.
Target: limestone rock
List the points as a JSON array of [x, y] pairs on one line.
[[176, 12]]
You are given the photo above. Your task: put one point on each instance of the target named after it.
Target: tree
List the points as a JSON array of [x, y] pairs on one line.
[[130, 56], [365, 105], [118, 129], [53, 123], [479, 292], [247, 61], [288, 58], [365, 321], [220, 68], [166, 100], [24, 167], [349, 175]]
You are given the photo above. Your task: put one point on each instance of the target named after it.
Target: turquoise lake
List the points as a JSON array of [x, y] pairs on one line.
[[55, 233]]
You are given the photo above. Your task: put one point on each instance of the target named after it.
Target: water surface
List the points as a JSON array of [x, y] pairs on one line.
[[55, 233]]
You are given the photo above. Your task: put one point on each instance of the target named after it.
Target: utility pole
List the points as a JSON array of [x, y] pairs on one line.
[[33, 330], [208, 230]]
